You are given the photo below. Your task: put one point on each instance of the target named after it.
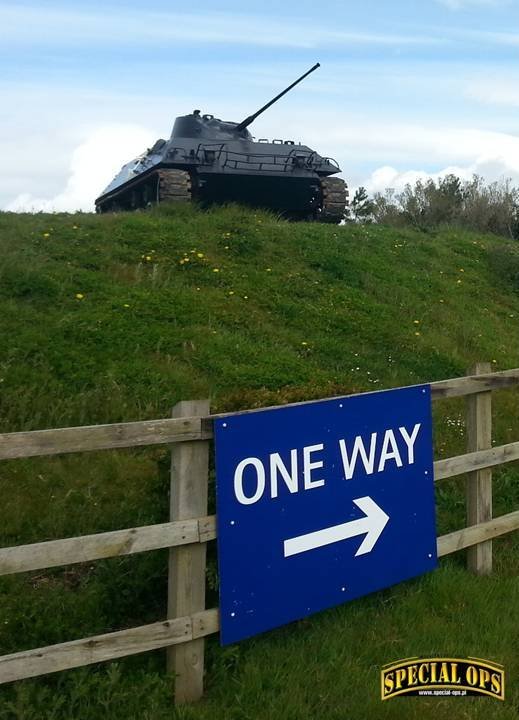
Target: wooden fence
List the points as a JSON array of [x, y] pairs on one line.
[[188, 621]]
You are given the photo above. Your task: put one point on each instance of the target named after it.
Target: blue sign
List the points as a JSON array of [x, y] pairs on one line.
[[321, 503]]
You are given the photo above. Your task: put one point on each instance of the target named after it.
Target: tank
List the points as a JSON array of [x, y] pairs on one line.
[[215, 161]]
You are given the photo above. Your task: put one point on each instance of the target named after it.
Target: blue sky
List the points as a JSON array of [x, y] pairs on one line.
[[405, 88]]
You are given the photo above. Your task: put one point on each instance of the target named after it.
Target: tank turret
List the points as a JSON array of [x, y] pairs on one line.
[[207, 127], [218, 161]]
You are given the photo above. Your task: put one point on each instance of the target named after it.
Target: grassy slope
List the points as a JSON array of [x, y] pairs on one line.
[[104, 320]]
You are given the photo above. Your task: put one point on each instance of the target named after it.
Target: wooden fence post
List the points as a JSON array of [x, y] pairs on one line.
[[187, 565], [479, 483]]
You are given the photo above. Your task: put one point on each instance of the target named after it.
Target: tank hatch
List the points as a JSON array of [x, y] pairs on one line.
[[207, 127]]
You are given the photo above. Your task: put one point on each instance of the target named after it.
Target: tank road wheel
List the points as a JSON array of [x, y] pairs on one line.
[[334, 200], [174, 186]]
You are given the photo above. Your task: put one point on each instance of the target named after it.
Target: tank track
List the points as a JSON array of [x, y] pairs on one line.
[[334, 200], [164, 185], [174, 186]]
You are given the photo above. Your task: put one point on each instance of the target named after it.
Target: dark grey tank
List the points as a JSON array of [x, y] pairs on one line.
[[215, 161]]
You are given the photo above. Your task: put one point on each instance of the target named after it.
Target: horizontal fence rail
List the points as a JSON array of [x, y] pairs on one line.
[[461, 539], [188, 433], [478, 460], [87, 548], [473, 384], [102, 437], [56, 553], [173, 430], [109, 646]]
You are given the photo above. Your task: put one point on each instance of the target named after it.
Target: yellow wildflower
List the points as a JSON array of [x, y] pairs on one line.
[[46, 235], [126, 305], [79, 296], [200, 255], [216, 269], [231, 292], [417, 333], [416, 322]]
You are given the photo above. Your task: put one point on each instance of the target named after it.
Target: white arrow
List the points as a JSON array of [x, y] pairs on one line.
[[372, 525]]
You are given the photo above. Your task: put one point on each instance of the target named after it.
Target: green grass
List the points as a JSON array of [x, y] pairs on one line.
[[103, 320]]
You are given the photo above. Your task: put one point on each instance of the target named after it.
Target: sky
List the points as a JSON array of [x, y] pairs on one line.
[[406, 89]]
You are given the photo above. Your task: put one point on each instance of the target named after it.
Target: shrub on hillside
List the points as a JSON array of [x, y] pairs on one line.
[[471, 204], [504, 259], [23, 282]]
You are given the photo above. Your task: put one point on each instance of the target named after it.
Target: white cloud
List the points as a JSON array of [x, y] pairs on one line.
[[93, 164], [411, 145], [495, 91], [491, 168]]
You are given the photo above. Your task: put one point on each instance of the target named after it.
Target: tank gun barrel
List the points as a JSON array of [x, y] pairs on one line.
[[245, 123]]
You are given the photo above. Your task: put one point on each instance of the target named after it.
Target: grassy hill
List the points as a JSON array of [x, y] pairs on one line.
[[116, 318]]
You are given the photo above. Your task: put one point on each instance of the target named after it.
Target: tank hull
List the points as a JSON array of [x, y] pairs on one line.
[[277, 193], [294, 197], [213, 162], [280, 194]]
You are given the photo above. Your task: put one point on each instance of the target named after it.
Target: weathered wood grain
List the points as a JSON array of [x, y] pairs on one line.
[[470, 462], [186, 583], [475, 383], [469, 536], [101, 437], [479, 482], [87, 548], [32, 663]]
